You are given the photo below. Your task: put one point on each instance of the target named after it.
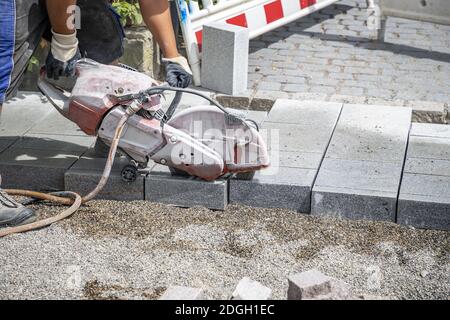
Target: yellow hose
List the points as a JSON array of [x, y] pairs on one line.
[[73, 199]]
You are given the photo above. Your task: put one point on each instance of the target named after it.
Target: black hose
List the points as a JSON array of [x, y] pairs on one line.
[[143, 96]]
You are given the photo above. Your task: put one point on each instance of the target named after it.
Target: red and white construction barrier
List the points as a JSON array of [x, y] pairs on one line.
[[259, 16]]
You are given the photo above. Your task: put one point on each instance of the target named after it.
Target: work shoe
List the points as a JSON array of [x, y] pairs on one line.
[[13, 213]]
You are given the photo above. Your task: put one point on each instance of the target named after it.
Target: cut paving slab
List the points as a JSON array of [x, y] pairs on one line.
[[298, 133], [158, 186], [360, 175], [162, 187], [85, 174], [424, 200]]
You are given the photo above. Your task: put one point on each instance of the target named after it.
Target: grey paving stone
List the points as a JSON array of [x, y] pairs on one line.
[[339, 291], [308, 284], [304, 112], [347, 99], [265, 85], [300, 138], [294, 159], [374, 133], [430, 130], [424, 200], [353, 204], [353, 91], [427, 166], [257, 116], [186, 192], [284, 79], [85, 174], [297, 141], [411, 51], [62, 143], [248, 289], [428, 147], [182, 293], [225, 53], [46, 157], [323, 89], [296, 87], [324, 82], [35, 169], [54, 123], [356, 189], [290, 188], [360, 175], [19, 115]]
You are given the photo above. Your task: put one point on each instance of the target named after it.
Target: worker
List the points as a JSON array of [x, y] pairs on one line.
[[24, 22]]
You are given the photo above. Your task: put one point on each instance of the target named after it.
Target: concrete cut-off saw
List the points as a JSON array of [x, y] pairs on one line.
[[123, 108]]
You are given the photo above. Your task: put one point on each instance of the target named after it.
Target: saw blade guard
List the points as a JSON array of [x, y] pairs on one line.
[[238, 142]]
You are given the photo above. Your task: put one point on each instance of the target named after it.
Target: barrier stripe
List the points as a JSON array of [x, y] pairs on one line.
[[273, 11], [199, 36], [259, 16], [306, 3], [263, 15], [239, 20]]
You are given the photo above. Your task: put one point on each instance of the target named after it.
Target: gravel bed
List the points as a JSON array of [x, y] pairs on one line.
[[134, 250]]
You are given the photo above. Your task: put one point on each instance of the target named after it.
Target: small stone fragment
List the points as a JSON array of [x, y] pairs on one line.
[[314, 285], [182, 293], [248, 289]]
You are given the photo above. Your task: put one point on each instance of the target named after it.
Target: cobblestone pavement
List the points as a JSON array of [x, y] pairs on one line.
[[331, 54]]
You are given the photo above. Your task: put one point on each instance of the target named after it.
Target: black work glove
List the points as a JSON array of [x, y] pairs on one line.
[[56, 68], [178, 72]]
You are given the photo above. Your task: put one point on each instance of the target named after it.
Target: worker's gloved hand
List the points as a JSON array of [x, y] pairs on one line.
[[63, 56], [178, 72]]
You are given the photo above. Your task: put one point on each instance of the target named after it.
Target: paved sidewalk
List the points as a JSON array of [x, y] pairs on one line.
[[330, 56], [337, 159]]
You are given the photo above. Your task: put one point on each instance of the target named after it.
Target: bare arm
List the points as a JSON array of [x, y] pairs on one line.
[[58, 15], [156, 15]]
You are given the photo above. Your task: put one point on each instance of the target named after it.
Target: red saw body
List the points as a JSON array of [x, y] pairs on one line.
[[203, 141]]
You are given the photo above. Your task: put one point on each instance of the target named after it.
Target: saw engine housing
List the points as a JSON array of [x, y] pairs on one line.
[[203, 141]]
